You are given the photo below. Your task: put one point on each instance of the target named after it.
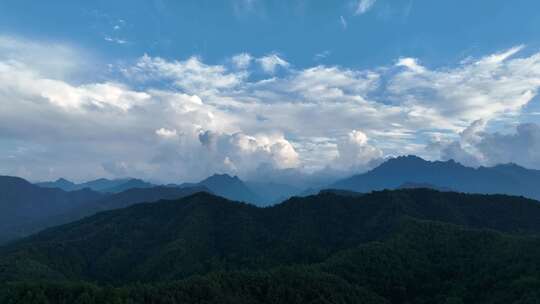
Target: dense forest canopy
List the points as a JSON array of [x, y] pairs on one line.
[[402, 246]]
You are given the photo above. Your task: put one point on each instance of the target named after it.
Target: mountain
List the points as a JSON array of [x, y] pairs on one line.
[[228, 187], [129, 184], [423, 262], [26, 208], [203, 233], [101, 185], [140, 195], [60, 183], [233, 188], [401, 246], [411, 185], [504, 179], [270, 193]]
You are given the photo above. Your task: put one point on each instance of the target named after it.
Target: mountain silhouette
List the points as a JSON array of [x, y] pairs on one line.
[[503, 179], [224, 185], [103, 185], [26, 208]]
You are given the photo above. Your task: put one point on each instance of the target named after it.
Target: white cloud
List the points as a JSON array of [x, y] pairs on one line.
[[242, 60], [187, 118], [411, 63], [166, 133], [363, 6], [18, 77], [477, 147], [356, 153], [493, 86], [115, 40], [270, 62], [246, 152], [191, 75]]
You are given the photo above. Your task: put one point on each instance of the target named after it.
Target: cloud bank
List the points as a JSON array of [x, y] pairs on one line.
[[182, 119]]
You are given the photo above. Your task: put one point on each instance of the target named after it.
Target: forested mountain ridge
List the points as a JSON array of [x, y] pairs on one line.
[[202, 233], [421, 262]]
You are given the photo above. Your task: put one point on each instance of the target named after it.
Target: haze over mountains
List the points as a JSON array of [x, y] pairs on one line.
[[101, 185], [400, 172], [28, 208]]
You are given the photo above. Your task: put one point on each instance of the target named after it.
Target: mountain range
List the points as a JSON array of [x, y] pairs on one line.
[[394, 173], [26, 208], [401, 172], [100, 185], [399, 246]]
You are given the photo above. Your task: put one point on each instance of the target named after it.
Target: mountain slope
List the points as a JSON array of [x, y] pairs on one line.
[[503, 179], [270, 193], [141, 195], [60, 183], [228, 187], [418, 262], [201, 233], [26, 208]]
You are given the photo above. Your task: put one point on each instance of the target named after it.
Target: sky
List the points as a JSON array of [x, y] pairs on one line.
[[174, 91]]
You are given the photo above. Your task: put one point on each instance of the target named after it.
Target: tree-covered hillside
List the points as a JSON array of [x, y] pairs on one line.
[[404, 246]]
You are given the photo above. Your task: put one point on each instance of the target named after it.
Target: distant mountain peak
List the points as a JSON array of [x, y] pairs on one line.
[[223, 178], [395, 172], [230, 187]]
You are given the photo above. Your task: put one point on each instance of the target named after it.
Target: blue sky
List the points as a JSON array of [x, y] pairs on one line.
[[176, 90], [439, 32]]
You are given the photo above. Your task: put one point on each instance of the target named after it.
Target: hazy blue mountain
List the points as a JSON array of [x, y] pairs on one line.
[[271, 193], [60, 183], [505, 179], [101, 185], [229, 187], [26, 208], [129, 184], [142, 195]]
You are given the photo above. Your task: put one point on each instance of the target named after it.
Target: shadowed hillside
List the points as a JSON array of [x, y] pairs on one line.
[[385, 247], [201, 233]]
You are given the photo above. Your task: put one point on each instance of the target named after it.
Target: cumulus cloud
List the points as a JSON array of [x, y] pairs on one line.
[[242, 60], [243, 150], [270, 62], [355, 152], [178, 120], [477, 147]]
